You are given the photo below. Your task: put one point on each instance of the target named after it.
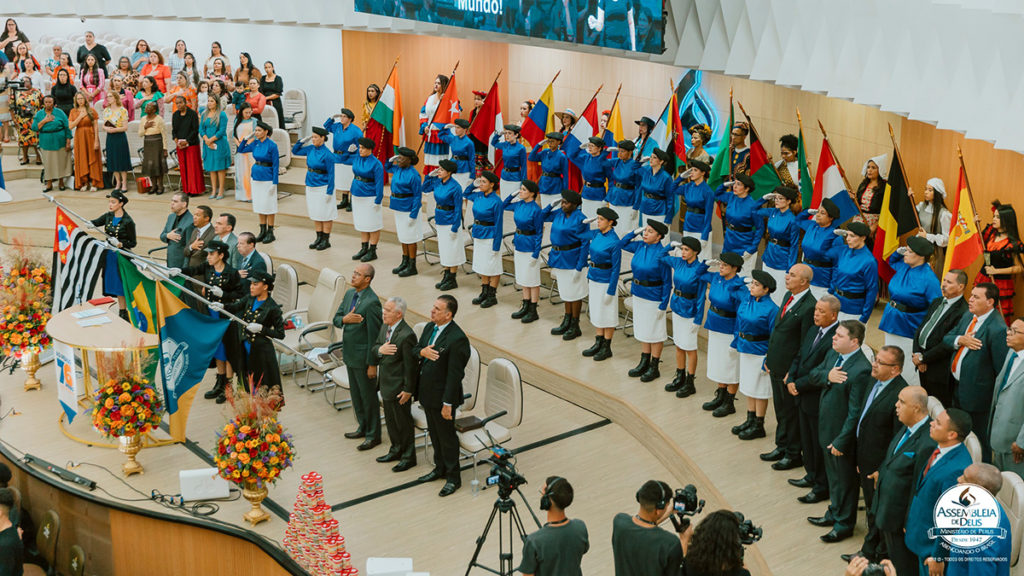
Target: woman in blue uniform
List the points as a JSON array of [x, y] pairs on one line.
[[554, 166], [367, 198], [486, 231], [448, 218], [755, 320], [594, 168], [651, 287], [783, 235], [264, 177], [699, 200], [657, 192], [689, 289], [855, 276], [513, 160], [117, 224], [603, 282], [742, 228], [911, 290], [819, 241], [624, 185], [344, 141], [567, 259], [406, 203], [529, 226], [725, 290], [456, 136], [320, 204]]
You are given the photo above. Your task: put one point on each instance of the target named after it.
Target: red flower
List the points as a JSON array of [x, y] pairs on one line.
[[264, 446]]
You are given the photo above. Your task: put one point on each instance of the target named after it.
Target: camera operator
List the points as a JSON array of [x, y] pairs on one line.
[[714, 547], [641, 548], [556, 549]]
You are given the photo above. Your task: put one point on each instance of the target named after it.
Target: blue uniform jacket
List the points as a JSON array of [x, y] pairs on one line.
[[624, 183], [406, 193], [487, 215], [513, 159], [317, 158], [913, 288], [368, 168], [593, 169], [755, 318], [649, 267], [700, 205], [742, 228], [463, 150], [856, 276], [689, 287], [554, 168], [723, 300], [783, 238], [448, 201], [569, 233], [264, 152], [529, 220], [342, 139], [605, 259], [656, 196], [920, 517], [817, 245]]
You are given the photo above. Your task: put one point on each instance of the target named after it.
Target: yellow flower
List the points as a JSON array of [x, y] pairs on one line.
[[109, 403], [273, 460], [235, 474], [239, 446], [126, 386]]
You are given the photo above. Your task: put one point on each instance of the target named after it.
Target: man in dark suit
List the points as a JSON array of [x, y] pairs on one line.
[[444, 350], [931, 354], [905, 457], [202, 233], [359, 317], [177, 230], [979, 350], [250, 259], [941, 471], [849, 373], [804, 383], [795, 318], [397, 368]]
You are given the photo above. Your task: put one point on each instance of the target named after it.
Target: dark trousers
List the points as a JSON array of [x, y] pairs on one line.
[[787, 432], [905, 562], [937, 382], [398, 419], [872, 545], [814, 457], [979, 421], [445, 443], [843, 490], [364, 401]]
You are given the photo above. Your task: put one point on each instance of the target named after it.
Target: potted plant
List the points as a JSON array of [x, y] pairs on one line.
[[127, 406], [25, 301]]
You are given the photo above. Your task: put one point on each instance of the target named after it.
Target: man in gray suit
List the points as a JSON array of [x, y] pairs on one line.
[[1006, 429], [359, 317], [177, 230], [397, 371], [224, 230]]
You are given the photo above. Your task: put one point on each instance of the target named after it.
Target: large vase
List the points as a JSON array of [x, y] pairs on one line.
[[30, 364], [255, 495], [130, 446]]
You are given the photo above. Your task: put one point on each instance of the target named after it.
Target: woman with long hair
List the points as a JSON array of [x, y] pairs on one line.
[[871, 190], [154, 156], [213, 130], [245, 71], [216, 53], [140, 57], [115, 124], [372, 96], [272, 87], [176, 61], [157, 70], [256, 100], [185, 131], [128, 75], [127, 96], [218, 70], [219, 91], [88, 158], [22, 56], [93, 79], [191, 70], [148, 93], [244, 127], [182, 88], [715, 548], [31, 73], [1003, 249], [264, 178], [935, 219], [63, 91], [434, 149], [11, 38]]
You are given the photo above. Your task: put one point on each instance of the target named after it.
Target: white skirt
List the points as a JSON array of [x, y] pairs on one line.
[[723, 359], [367, 215], [780, 283], [343, 177], [320, 206], [508, 188], [463, 179], [754, 382], [704, 252], [603, 309], [527, 269], [486, 261], [451, 246], [409, 230], [628, 219], [848, 316], [907, 345], [589, 207], [818, 291], [572, 284], [684, 332], [264, 197], [649, 324]]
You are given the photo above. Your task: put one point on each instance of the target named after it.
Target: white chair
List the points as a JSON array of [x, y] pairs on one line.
[[135, 143], [294, 104], [270, 268], [934, 407], [269, 115], [1011, 496], [504, 393], [973, 446], [318, 328], [470, 386], [286, 285]]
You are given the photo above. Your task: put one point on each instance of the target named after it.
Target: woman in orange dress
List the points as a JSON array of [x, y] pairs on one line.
[[157, 70], [88, 159]]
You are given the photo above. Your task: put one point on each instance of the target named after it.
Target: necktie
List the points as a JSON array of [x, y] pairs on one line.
[[867, 405], [821, 332], [903, 439], [786, 306], [355, 300], [391, 330], [839, 362], [433, 336], [930, 325], [930, 462], [1009, 371], [955, 366]]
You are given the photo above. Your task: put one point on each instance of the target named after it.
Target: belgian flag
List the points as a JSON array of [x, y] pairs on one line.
[[897, 220]]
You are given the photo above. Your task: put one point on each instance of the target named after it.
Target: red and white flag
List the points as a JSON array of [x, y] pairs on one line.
[[487, 121]]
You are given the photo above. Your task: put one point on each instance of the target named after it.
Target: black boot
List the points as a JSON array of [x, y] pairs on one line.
[[482, 296], [639, 369], [606, 350], [522, 310], [728, 406], [444, 277], [755, 430], [491, 299], [400, 267], [746, 423], [409, 270], [365, 247], [316, 243], [348, 203], [716, 401], [263, 233], [652, 373], [531, 314], [689, 387], [370, 255], [676, 382], [449, 283], [574, 331], [325, 243], [563, 327], [218, 387], [598, 342], [270, 235]]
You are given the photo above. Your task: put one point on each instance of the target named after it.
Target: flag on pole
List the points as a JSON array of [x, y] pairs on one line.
[[613, 133], [449, 109], [62, 235], [965, 245], [897, 218], [806, 184], [722, 166], [387, 125], [82, 258], [585, 127], [140, 296], [678, 148], [661, 135], [488, 119], [829, 184], [541, 119], [762, 171]]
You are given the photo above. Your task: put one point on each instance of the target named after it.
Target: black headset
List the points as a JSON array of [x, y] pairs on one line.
[[666, 495], [545, 498]]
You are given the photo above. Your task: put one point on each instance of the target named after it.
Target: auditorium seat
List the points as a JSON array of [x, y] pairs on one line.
[[46, 543], [504, 393], [1011, 496], [934, 407], [318, 330], [294, 104], [76, 561], [973, 446]]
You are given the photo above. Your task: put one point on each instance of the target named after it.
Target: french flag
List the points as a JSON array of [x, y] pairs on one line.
[[585, 128], [829, 184]]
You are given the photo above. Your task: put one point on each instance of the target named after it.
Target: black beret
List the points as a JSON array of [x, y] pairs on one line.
[[627, 145], [830, 208], [732, 259], [659, 226], [608, 214], [702, 166], [530, 185], [920, 246], [490, 176], [645, 120], [461, 123], [320, 131], [597, 141], [216, 246], [859, 228], [746, 181], [789, 193], [262, 276], [266, 127], [367, 143], [764, 278], [118, 195], [661, 154], [555, 136], [448, 165], [572, 196], [408, 153], [349, 113], [691, 243], [512, 128]]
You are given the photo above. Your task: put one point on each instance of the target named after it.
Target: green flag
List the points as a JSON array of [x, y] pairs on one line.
[[806, 184], [139, 295], [722, 164]]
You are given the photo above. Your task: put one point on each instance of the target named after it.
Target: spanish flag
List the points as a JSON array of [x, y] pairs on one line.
[[964, 239], [897, 220]]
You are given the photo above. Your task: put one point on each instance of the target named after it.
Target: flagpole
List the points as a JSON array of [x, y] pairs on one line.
[[750, 123], [732, 116], [386, 82], [473, 121], [906, 177], [842, 173], [426, 131], [800, 125], [616, 99], [970, 195]]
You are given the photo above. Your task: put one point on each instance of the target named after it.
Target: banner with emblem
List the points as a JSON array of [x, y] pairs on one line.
[[67, 379]]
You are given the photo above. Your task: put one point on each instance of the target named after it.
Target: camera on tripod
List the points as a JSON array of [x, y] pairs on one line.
[[503, 471], [19, 84], [748, 532]]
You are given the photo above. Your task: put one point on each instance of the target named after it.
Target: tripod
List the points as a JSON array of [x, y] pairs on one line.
[[510, 517]]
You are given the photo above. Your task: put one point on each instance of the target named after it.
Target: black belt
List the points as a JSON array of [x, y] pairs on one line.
[[653, 196], [905, 308], [363, 179], [594, 184], [736, 228], [315, 171], [267, 164], [340, 152], [851, 295], [460, 157], [446, 207], [778, 242], [483, 223], [565, 247], [396, 195], [597, 266], [753, 337], [551, 174], [526, 232], [695, 210], [720, 312], [647, 284], [508, 168], [687, 295], [817, 263], [625, 187]]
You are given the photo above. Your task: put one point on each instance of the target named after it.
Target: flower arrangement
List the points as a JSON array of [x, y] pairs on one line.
[[126, 405], [253, 446], [25, 300]]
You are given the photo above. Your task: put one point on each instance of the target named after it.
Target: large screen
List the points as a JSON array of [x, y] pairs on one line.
[[634, 25]]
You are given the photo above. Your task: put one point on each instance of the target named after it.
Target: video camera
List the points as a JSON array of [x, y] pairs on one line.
[[685, 501], [19, 84], [503, 470], [748, 532]]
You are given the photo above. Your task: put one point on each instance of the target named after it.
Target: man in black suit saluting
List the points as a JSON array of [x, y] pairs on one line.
[[444, 352], [931, 353]]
